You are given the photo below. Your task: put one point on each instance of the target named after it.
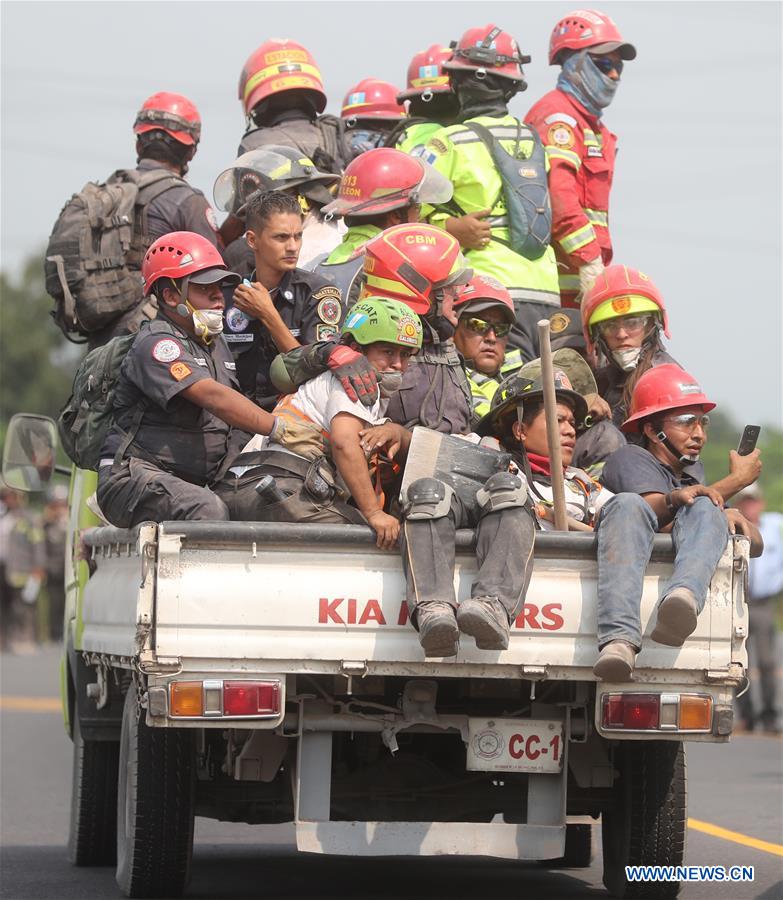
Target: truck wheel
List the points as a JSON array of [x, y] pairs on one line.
[[155, 803], [92, 837], [578, 848], [646, 825]]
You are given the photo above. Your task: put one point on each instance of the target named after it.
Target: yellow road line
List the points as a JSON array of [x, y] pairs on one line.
[[736, 837], [31, 704]]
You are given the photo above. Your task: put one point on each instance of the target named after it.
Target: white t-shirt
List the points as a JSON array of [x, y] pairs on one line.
[[321, 398]]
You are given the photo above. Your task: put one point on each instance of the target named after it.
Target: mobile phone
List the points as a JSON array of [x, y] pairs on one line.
[[748, 440]]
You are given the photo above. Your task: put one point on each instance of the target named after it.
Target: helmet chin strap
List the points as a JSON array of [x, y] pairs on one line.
[[184, 309], [681, 457]]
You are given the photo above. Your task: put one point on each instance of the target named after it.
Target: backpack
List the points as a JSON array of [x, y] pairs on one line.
[[95, 250], [88, 414], [525, 190]]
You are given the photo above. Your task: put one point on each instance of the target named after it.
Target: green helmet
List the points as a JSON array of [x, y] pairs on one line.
[[382, 319]]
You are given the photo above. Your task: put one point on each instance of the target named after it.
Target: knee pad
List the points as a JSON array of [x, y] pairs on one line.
[[502, 491], [427, 498]]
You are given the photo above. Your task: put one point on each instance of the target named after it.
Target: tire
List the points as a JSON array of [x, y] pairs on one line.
[[92, 837], [155, 806], [647, 824], [578, 848]]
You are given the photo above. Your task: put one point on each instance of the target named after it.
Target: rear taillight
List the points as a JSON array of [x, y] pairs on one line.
[[225, 699], [656, 712]]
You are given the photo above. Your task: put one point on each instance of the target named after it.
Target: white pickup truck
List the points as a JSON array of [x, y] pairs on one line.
[[268, 673]]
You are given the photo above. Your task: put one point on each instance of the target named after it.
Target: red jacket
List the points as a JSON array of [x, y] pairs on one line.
[[581, 152]]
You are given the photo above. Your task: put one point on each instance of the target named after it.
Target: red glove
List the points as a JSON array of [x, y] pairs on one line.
[[356, 375]]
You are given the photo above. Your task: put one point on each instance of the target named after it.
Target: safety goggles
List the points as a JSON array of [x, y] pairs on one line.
[[606, 64], [688, 421], [631, 324], [482, 327]]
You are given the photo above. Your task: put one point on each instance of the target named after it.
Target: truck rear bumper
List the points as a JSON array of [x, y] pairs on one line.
[[497, 839]]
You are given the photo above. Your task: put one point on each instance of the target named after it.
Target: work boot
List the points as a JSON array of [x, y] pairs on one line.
[[438, 632], [677, 615], [615, 662], [486, 620]]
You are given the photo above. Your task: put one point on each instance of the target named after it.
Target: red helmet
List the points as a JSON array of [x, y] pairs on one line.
[[406, 262], [663, 388], [620, 291], [384, 179], [483, 292], [279, 65], [372, 99], [426, 73], [489, 49], [178, 255], [587, 28], [171, 113]]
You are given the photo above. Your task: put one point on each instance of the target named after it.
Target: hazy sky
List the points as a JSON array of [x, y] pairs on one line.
[[696, 201]]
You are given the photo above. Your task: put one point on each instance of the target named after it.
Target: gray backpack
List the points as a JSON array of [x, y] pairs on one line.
[[95, 251]]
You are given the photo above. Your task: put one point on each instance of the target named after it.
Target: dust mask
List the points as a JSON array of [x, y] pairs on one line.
[[389, 383], [628, 359]]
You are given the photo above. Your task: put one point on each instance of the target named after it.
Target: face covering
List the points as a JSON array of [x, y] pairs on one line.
[[389, 383], [582, 79], [486, 96], [363, 140], [627, 360], [207, 323]]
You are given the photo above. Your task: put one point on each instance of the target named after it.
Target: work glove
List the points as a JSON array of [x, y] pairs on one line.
[[30, 590], [356, 375], [587, 275]]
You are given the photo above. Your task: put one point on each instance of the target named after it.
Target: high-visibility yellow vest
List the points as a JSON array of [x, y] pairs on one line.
[[483, 387]]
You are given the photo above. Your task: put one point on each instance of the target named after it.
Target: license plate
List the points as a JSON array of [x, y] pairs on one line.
[[515, 745]]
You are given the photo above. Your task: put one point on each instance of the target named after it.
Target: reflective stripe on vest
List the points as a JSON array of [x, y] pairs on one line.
[[567, 155], [569, 282], [598, 217], [533, 296]]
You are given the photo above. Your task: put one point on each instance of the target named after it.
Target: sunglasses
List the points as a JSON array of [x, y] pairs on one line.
[[689, 421], [631, 324], [481, 326], [606, 64]]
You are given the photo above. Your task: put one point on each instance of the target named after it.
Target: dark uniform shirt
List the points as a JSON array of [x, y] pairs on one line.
[[611, 382], [311, 309], [180, 208], [179, 436], [634, 470], [322, 141]]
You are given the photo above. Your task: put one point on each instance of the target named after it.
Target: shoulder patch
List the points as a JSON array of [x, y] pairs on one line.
[[325, 332], [558, 322], [438, 146], [560, 117], [329, 309], [329, 291], [179, 371], [211, 218], [166, 351], [236, 319], [561, 135]]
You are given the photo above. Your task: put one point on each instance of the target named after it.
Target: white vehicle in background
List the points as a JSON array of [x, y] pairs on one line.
[[268, 673]]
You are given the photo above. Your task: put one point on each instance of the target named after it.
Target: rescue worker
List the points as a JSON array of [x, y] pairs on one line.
[[176, 399], [495, 160], [431, 101], [168, 130], [590, 50], [625, 521], [484, 315], [379, 189], [274, 168], [281, 306], [371, 110], [623, 315], [660, 487], [317, 462], [422, 266], [283, 97]]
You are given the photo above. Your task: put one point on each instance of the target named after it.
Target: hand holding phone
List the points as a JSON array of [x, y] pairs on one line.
[[748, 440]]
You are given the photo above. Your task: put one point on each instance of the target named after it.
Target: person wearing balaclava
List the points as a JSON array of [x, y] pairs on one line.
[[590, 50], [486, 72]]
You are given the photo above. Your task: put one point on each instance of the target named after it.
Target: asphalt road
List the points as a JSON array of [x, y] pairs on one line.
[[735, 802]]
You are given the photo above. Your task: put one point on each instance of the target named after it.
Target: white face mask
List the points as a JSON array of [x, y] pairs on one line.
[[389, 383], [628, 359], [208, 323]]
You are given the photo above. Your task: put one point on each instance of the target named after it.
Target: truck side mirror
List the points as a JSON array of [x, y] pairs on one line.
[[29, 452]]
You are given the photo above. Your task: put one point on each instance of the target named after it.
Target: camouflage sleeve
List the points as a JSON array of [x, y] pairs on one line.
[[299, 365]]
